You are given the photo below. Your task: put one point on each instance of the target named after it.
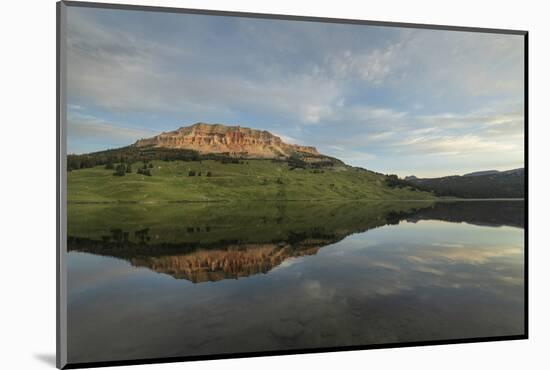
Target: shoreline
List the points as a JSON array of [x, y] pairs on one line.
[[297, 200]]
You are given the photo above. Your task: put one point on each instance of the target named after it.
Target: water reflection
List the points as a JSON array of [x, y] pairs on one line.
[[232, 248], [484, 213], [161, 281]]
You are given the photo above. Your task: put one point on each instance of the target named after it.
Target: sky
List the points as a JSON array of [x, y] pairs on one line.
[[394, 100]]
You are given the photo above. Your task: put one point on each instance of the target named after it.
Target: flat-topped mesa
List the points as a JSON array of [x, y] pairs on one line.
[[233, 140]]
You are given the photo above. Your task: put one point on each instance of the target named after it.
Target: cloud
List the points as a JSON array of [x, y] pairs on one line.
[[373, 66], [491, 130], [461, 63], [474, 119], [110, 68], [84, 127], [288, 139], [451, 145], [375, 92], [349, 156], [119, 68]]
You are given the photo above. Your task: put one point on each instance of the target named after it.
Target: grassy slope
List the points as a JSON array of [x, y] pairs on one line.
[[500, 185], [256, 180]]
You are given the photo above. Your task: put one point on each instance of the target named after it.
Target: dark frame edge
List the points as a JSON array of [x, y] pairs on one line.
[[61, 297], [224, 356], [57, 195], [526, 184], [288, 17]]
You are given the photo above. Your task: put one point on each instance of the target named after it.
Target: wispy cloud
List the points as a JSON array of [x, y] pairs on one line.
[[84, 128], [451, 145], [288, 139], [102, 129], [376, 92]]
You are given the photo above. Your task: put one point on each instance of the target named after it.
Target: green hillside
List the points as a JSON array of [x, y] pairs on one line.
[[234, 180], [483, 184]]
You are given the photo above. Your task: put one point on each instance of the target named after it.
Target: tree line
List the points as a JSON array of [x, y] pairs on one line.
[[122, 169], [487, 186], [132, 154], [129, 154]]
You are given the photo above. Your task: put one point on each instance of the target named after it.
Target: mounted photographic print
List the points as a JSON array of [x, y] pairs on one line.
[[235, 184]]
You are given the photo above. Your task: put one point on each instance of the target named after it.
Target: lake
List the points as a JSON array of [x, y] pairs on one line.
[[187, 279]]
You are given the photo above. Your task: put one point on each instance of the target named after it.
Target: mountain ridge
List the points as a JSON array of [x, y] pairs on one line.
[[205, 162], [516, 171], [235, 141], [479, 184]]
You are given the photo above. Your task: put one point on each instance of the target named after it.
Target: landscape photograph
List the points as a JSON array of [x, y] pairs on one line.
[[249, 185]]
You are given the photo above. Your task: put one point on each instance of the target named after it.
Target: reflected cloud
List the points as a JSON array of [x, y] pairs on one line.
[[280, 240], [479, 255]]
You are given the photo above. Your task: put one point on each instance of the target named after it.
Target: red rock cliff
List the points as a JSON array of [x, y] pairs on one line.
[[235, 140]]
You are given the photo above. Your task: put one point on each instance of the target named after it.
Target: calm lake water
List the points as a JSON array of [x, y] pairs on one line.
[[195, 279]]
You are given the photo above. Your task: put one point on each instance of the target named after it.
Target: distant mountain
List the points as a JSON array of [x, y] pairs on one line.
[[517, 172], [482, 173], [481, 184], [214, 162], [230, 140]]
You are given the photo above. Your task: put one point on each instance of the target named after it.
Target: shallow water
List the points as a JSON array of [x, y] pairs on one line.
[[185, 280]]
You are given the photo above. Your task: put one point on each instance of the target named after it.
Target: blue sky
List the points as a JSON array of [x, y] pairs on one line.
[[393, 100]]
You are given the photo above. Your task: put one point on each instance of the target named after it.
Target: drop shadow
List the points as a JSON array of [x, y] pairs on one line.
[[47, 358]]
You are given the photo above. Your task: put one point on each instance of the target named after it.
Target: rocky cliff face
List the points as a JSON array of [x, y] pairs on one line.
[[231, 140]]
